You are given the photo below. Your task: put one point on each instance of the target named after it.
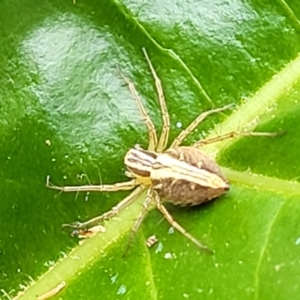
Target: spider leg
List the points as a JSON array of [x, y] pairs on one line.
[[145, 116], [233, 134], [177, 226], [140, 218], [109, 214], [164, 137], [120, 186], [184, 133]]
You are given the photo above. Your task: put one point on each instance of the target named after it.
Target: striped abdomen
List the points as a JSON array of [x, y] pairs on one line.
[[187, 176]]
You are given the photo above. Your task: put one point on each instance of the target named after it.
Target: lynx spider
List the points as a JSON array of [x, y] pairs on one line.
[[182, 175]]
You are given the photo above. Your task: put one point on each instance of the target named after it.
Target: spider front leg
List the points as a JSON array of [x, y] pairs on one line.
[[120, 186], [109, 214], [147, 120], [177, 226]]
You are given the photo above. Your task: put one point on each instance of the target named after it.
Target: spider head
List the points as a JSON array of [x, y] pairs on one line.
[[139, 162]]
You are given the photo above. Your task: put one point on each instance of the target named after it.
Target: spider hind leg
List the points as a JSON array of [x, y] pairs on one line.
[[177, 226]]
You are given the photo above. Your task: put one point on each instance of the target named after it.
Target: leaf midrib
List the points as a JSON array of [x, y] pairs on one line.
[[246, 117], [263, 182], [263, 251]]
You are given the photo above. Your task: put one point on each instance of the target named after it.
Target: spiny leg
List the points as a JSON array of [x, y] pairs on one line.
[[145, 116], [177, 226], [140, 218], [233, 134], [164, 137], [184, 133], [120, 186], [109, 214]]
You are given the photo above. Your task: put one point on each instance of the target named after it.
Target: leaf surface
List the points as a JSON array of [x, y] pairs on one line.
[[67, 112]]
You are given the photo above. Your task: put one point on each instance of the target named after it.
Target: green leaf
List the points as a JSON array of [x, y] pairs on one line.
[[67, 112]]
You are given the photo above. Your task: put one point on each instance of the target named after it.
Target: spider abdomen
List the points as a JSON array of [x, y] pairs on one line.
[[187, 176]]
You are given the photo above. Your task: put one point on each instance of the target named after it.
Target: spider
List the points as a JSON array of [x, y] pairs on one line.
[[182, 175]]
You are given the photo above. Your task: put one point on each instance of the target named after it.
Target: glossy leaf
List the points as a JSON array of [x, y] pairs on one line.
[[66, 112]]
